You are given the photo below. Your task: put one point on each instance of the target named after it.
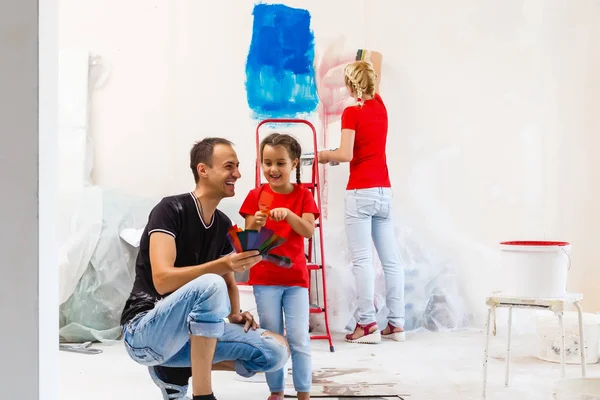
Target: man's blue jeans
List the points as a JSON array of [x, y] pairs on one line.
[[161, 336]]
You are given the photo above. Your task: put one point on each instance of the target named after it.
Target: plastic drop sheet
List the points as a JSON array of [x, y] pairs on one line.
[[92, 312]]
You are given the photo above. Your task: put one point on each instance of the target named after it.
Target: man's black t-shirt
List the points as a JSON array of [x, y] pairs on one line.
[[195, 241]]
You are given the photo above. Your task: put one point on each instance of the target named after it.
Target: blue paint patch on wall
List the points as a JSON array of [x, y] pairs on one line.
[[280, 76]]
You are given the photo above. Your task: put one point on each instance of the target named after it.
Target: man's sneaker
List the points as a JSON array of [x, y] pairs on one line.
[[169, 391]]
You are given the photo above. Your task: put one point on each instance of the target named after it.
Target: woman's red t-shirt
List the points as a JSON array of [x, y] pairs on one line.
[[299, 201], [368, 167]]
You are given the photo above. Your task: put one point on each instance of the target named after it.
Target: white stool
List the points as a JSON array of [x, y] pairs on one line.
[[557, 305]]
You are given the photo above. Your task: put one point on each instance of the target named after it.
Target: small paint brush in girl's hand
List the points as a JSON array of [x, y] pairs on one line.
[[264, 203]]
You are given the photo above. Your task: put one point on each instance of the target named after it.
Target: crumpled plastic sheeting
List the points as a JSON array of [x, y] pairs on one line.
[[93, 311], [436, 283], [80, 226]]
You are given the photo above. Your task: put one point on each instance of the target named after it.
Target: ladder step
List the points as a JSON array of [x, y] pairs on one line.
[[309, 185], [313, 266], [314, 309]]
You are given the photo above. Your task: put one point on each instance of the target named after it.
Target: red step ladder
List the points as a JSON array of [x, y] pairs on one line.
[[314, 263]]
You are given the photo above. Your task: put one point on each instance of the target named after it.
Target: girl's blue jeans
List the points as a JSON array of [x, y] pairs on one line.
[[274, 303]]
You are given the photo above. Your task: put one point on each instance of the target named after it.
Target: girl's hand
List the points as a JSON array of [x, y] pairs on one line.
[[260, 219], [279, 214]]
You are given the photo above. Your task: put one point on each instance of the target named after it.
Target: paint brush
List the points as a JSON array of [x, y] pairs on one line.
[[264, 202], [308, 159]]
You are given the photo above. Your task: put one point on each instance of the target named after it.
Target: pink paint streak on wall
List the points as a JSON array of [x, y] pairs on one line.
[[333, 96]]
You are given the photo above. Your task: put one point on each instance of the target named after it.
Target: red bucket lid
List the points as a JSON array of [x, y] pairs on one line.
[[534, 243]]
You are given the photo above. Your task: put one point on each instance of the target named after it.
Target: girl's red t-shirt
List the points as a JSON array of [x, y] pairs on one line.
[[299, 201]]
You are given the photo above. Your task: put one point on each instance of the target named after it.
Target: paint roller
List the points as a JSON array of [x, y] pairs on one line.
[[307, 159]]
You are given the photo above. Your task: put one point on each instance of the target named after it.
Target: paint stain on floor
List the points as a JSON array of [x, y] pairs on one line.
[[351, 383]]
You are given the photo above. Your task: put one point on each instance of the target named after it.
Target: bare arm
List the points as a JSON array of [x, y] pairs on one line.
[[249, 221], [167, 278], [376, 59], [234, 293], [343, 153], [304, 226], [256, 221]]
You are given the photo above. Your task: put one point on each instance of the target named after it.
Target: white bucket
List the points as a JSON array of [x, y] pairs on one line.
[[548, 330], [247, 301], [577, 389], [535, 268]]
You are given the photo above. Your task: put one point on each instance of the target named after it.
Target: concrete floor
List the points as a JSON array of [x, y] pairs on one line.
[[429, 366]]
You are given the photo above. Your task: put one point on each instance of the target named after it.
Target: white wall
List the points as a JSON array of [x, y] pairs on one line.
[[491, 114], [28, 172], [494, 106]]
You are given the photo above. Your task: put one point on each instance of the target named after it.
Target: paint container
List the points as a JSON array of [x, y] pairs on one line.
[[548, 330], [247, 301], [535, 268], [577, 389]]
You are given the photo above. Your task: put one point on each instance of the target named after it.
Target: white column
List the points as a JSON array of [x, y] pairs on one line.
[[28, 175]]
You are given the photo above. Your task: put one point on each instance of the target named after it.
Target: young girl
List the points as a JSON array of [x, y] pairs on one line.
[[278, 290], [368, 202]]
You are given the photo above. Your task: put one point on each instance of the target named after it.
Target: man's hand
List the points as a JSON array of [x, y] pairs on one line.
[[279, 214], [244, 318], [240, 262], [260, 219]]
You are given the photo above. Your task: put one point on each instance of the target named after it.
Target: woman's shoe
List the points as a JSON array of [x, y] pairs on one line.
[[397, 336], [368, 337]]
